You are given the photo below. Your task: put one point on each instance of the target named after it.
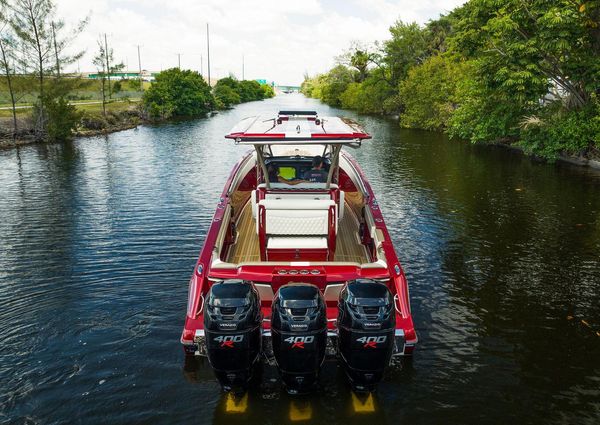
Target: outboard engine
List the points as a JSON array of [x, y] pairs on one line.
[[232, 319], [366, 324], [299, 335]]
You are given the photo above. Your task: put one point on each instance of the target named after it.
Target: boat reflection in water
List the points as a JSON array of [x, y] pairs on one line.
[[264, 398]]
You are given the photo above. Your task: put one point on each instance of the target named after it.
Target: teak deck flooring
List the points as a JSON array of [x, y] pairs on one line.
[[348, 246]]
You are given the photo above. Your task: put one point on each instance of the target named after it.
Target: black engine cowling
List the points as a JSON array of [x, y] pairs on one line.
[[232, 320], [299, 335], [366, 323]]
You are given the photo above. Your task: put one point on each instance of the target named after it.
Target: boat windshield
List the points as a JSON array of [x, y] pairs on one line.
[[298, 171]]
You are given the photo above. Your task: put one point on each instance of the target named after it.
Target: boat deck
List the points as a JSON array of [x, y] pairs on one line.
[[348, 246]]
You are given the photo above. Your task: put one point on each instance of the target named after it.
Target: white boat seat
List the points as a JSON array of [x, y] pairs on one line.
[[297, 222], [308, 227], [296, 243], [307, 217], [291, 194], [303, 196], [296, 195]]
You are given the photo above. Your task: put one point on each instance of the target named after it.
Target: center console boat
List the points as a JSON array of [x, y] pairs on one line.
[[298, 263]]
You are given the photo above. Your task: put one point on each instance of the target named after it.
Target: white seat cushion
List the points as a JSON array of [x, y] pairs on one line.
[[297, 186], [297, 243], [297, 204], [291, 217], [297, 222], [298, 195]]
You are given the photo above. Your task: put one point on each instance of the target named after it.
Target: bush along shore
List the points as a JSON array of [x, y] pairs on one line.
[[175, 94], [91, 123], [519, 74]]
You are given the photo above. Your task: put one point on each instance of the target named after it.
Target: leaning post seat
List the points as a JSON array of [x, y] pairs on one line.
[[296, 229], [333, 192]]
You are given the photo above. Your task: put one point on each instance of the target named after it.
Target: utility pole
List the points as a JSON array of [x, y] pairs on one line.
[[107, 65], [178, 60], [139, 60], [139, 65], [243, 77], [201, 66], [208, 53]]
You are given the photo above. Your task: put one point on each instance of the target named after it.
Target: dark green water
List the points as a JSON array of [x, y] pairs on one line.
[[98, 239]]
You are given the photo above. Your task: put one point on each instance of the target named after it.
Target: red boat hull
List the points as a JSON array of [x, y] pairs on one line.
[[278, 275]]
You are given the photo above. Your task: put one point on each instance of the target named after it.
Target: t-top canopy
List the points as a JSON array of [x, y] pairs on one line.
[[297, 127]]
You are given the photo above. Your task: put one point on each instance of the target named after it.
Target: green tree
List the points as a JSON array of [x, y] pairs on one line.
[[102, 60], [267, 90], [135, 84], [428, 93], [537, 73], [231, 82], [378, 96], [524, 48], [251, 90], [308, 85], [349, 99], [336, 82], [437, 33], [63, 117], [7, 59], [44, 42], [178, 93], [407, 47], [229, 91], [514, 71], [555, 132], [225, 96], [483, 115], [359, 57]]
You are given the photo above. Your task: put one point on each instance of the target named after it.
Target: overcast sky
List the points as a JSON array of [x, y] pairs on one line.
[[280, 40]]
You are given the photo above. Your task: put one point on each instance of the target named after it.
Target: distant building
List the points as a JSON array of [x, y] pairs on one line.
[[122, 75], [263, 81]]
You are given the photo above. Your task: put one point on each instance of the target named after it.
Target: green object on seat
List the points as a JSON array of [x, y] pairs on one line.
[[287, 173]]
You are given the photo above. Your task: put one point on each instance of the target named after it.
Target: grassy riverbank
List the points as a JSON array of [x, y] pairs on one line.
[[504, 72], [120, 115]]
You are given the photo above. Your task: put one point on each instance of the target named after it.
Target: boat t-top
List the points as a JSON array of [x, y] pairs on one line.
[[298, 263]]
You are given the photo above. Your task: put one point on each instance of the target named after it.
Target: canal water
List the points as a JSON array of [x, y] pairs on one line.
[[98, 238]]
